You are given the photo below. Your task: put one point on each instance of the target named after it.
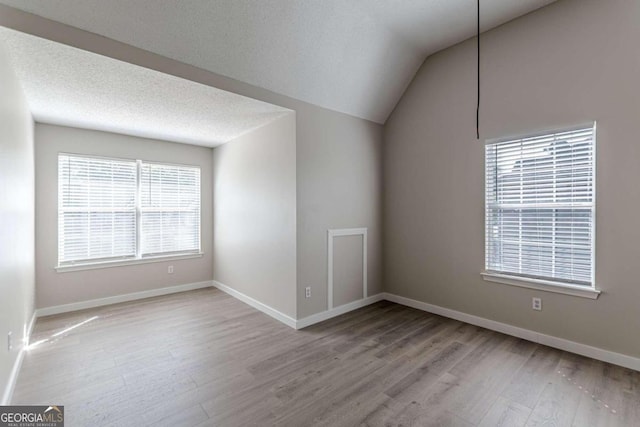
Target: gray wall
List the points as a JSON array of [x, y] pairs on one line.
[[339, 186], [55, 288], [565, 64], [254, 184], [338, 157], [16, 218]]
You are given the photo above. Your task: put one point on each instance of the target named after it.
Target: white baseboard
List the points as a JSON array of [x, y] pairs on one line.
[[15, 370], [289, 321], [65, 308], [337, 311], [529, 335]]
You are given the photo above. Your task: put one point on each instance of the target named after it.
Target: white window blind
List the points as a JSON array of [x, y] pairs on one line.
[[540, 206], [112, 209], [170, 209], [96, 209]]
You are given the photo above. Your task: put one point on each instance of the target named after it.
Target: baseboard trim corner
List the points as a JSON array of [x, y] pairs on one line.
[[13, 378], [287, 320], [527, 334], [337, 311], [99, 302], [32, 323]]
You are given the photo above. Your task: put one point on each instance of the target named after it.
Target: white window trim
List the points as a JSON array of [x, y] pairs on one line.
[[122, 263], [583, 291], [139, 211]]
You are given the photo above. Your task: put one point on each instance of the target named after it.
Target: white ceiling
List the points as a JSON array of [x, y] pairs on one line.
[[72, 87], [353, 56]]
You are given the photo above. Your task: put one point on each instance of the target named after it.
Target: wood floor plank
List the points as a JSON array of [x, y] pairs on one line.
[[428, 372], [533, 377], [479, 391], [600, 405], [505, 413], [559, 400], [431, 403], [429, 328]]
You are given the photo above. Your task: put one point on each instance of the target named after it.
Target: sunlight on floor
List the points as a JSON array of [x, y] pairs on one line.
[[60, 333]]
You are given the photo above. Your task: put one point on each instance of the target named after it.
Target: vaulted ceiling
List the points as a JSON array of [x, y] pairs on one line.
[[352, 56]]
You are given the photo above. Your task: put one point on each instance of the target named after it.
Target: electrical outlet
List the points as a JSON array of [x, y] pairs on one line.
[[536, 304], [307, 292], [170, 269], [9, 343]]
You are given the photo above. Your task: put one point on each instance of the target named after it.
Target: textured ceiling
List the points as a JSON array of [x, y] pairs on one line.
[[72, 87], [353, 56]]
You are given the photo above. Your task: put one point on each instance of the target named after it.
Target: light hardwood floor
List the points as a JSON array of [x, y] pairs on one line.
[[204, 358]]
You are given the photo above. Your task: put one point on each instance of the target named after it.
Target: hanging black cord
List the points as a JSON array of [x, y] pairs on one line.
[[478, 104]]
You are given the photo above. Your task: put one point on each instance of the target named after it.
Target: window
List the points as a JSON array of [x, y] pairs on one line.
[[117, 210], [169, 209], [540, 208]]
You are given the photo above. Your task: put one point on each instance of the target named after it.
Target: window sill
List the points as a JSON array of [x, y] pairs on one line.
[[122, 263], [543, 285]]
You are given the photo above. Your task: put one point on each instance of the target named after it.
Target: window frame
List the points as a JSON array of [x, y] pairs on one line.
[[141, 209], [139, 258], [554, 285]]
